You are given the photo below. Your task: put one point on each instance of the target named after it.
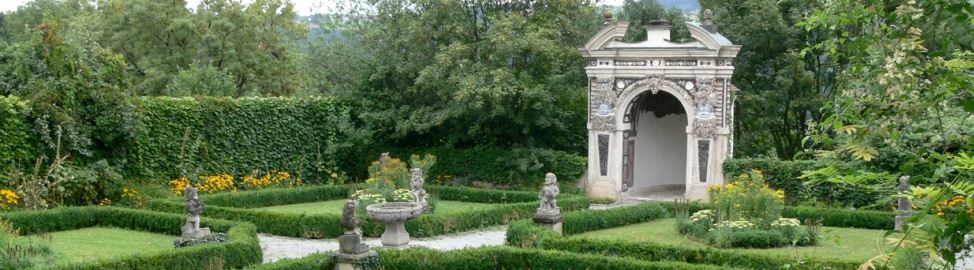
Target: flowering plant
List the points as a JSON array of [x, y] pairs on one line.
[[389, 180], [8, 199]]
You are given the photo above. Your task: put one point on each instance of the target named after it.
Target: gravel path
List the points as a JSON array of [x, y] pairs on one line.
[[280, 247], [965, 260]]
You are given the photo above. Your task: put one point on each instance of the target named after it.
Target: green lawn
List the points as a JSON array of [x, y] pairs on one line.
[[97, 243], [844, 244], [335, 207]]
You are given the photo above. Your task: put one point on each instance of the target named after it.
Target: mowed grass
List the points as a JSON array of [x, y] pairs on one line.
[[836, 244], [97, 243], [335, 207]]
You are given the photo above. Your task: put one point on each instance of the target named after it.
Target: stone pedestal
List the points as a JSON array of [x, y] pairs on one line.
[[551, 219], [191, 232], [395, 215], [355, 261]]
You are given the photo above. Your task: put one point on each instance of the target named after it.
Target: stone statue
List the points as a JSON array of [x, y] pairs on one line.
[[417, 181], [904, 208], [350, 223], [548, 214], [194, 208], [351, 241], [549, 193], [708, 21], [353, 253]]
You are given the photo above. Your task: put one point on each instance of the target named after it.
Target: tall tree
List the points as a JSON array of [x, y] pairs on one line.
[[782, 90]]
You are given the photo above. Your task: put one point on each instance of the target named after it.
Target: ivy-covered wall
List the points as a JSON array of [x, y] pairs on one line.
[[237, 136], [16, 138]]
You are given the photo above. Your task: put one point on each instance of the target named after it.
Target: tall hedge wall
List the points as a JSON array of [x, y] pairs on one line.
[[783, 174], [238, 135], [16, 138]]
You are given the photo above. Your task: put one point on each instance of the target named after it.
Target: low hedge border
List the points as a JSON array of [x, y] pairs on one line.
[[527, 234], [488, 259], [831, 217], [239, 206], [242, 249]]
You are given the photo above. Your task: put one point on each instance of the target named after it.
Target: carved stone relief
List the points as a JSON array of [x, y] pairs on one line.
[[603, 102]]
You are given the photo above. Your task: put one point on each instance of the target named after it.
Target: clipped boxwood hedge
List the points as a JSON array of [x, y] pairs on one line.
[[831, 217], [488, 259], [241, 250], [239, 206], [527, 234]]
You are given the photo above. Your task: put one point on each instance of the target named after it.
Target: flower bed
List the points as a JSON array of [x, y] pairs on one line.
[[241, 250], [526, 234], [243, 206]]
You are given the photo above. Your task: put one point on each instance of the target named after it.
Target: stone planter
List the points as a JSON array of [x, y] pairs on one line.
[[395, 215]]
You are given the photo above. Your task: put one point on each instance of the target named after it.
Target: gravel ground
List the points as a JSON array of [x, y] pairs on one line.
[[965, 260], [280, 247]]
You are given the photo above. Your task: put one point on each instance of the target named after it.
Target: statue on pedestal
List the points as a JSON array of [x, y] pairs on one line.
[[353, 253], [419, 194], [549, 214], [194, 208]]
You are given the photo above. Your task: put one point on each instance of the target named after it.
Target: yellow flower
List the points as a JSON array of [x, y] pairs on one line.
[[8, 199], [179, 184]]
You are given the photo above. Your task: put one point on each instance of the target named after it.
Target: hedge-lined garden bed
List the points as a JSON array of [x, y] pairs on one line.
[[244, 206], [488, 259], [526, 234], [241, 250]]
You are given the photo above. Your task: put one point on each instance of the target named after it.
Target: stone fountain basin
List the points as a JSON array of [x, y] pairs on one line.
[[394, 211]]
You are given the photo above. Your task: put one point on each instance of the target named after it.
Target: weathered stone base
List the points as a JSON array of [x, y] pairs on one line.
[[355, 261], [395, 235], [549, 219], [210, 238]]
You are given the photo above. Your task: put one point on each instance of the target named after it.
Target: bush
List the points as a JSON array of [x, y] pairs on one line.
[[524, 167], [526, 234], [305, 136], [831, 217], [242, 250], [236, 206], [17, 146], [488, 258], [783, 174]]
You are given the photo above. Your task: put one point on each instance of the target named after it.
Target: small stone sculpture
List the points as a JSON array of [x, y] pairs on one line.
[[417, 182], [352, 254], [549, 194], [549, 214], [194, 208], [904, 208], [351, 241]]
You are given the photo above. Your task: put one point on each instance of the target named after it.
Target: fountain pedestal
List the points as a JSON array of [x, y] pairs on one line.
[[395, 215]]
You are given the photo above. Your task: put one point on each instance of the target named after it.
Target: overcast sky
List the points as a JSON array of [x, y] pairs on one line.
[[303, 7]]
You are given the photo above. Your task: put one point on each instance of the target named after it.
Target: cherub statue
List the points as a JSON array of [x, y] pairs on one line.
[[417, 181], [350, 223], [194, 208], [549, 193]]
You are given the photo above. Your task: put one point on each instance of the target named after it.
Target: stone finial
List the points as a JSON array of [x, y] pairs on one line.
[[416, 182], [708, 21]]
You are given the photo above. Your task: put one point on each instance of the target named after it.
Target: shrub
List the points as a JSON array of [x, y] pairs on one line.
[[784, 175], [488, 258], [524, 167], [243, 248], [237, 206]]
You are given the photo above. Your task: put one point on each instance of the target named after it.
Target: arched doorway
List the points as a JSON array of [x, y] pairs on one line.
[[655, 146]]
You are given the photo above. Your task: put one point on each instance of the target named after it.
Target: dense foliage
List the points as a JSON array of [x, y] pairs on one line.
[[799, 187]]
